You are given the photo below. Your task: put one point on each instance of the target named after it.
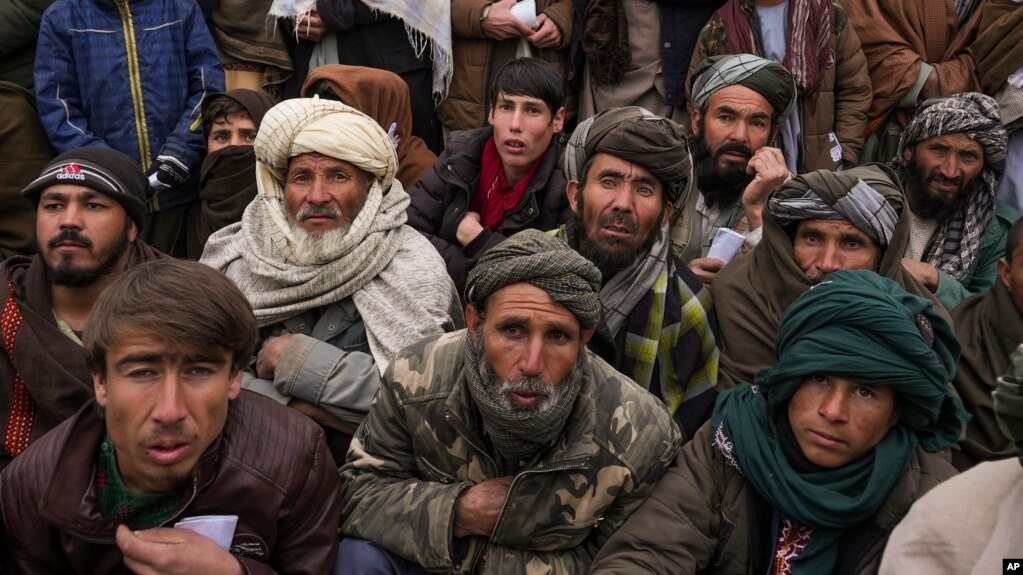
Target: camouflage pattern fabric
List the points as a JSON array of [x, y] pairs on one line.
[[422, 445]]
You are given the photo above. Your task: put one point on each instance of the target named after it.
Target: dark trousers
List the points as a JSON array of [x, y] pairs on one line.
[[361, 557]]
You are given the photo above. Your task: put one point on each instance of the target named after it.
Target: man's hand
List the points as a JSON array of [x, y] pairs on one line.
[[468, 228], [706, 269], [270, 354], [548, 35], [768, 168], [930, 89], [478, 507], [924, 273], [167, 550], [309, 26], [501, 24]]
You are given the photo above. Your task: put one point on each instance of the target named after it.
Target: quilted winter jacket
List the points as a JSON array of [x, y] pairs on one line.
[[422, 444], [128, 75], [441, 199]]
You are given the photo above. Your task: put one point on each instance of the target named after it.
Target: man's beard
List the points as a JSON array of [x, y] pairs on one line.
[[936, 206], [611, 255], [551, 393], [323, 247], [66, 273], [719, 185]]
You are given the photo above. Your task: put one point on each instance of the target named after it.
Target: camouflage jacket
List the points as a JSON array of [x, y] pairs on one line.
[[422, 444]]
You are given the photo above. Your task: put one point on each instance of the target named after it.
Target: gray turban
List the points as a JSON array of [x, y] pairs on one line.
[[638, 136], [769, 79], [541, 260], [974, 114], [862, 195]]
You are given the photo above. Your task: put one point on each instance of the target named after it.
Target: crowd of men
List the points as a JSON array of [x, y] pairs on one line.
[[607, 287]]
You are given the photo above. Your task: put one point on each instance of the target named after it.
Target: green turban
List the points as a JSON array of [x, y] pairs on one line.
[[769, 79], [541, 260], [861, 326]]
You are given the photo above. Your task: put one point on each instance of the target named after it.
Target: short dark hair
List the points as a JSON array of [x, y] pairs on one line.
[[530, 77], [217, 109], [178, 301], [1012, 240]]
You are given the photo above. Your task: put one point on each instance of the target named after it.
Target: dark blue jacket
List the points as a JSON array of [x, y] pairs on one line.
[[129, 75]]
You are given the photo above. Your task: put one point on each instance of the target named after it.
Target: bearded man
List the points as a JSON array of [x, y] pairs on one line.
[[626, 169], [338, 283], [739, 102], [508, 447], [90, 207], [950, 159], [816, 224]]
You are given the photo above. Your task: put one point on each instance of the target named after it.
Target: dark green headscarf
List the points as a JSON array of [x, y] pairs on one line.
[[1008, 401], [860, 326]]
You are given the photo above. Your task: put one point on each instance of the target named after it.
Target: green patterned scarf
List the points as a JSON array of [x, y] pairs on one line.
[[137, 511]]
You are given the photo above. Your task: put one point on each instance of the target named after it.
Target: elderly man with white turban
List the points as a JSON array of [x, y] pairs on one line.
[[338, 283]]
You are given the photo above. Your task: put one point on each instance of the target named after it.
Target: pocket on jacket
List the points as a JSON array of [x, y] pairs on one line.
[[561, 537], [431, 472], [725, 529]]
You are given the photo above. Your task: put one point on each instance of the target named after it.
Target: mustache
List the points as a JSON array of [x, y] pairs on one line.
[[317, 211], [735, 148], [69, 236], [624, 219], [940, 179], [163, 432]]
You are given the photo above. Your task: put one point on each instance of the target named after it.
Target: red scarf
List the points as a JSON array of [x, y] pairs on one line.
[[494, 197]]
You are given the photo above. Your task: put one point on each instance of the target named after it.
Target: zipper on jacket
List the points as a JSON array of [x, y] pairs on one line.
[[135, 82]]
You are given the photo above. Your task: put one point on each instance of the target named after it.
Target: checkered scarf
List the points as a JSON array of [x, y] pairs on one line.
[[956, 243], [769, 79]]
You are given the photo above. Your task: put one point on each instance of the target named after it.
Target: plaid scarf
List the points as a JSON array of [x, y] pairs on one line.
[[955, 245], [136, 510], [809, 34]]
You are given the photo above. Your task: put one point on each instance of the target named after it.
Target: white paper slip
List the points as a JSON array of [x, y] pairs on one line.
[[526, 12], [219, 528], [727, 243]]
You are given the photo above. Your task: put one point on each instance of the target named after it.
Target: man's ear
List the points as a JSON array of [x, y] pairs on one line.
[[572, 191], [668, 209], [1004, 273], [694, 122], [236, 385], [587, 333], [133, 231], [99, 386], [559, 120], [907, 154], [473, 320]]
